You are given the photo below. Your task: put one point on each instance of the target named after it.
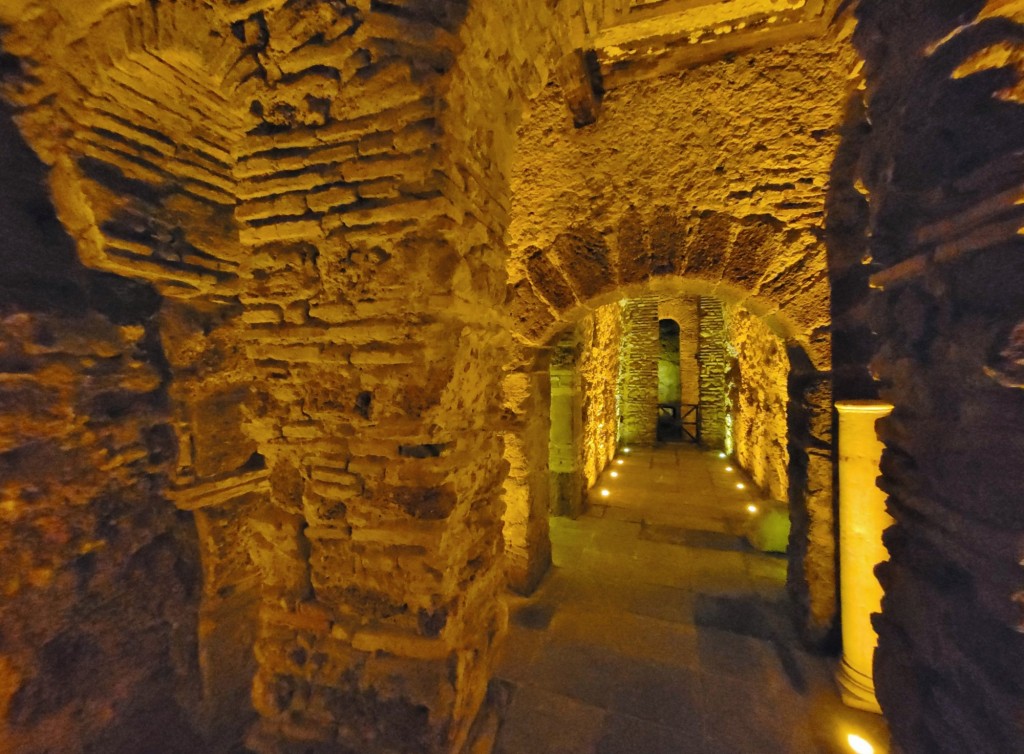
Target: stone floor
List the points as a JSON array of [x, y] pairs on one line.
[[660, 631]]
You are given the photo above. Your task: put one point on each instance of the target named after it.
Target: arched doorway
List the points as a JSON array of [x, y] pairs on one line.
[[584, 272]]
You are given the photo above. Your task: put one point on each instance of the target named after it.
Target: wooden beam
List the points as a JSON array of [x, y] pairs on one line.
[[579, 77]]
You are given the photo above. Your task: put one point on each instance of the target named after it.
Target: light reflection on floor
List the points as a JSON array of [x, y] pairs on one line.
[[660, 631]]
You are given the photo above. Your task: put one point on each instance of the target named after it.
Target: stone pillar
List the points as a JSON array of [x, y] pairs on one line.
[[689, 363], [527, 392], [638, 375], [564, 441], [862, 518], [712, 358]]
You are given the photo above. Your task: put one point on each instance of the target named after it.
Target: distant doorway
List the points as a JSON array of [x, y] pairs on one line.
[[677, 421]]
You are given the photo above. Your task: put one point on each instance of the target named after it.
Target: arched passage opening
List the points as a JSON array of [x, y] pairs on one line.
[[608, 384], [805, 398]]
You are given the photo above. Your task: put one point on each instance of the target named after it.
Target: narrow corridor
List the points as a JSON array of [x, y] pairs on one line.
[[659, 630]]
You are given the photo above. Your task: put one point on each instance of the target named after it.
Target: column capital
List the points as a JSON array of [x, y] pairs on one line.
[[875, 407]]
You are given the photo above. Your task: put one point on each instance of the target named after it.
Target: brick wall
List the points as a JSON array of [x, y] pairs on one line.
[[638, 371], [713, 358]]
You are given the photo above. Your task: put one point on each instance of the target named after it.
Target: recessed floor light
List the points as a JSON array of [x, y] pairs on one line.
[[859, 745]]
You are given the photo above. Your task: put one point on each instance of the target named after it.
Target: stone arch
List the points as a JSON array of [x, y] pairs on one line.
[[742, 261], [749, 261]]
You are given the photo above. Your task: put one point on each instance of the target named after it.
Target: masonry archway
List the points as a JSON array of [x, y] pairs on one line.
[[332, 378], [711, 255]]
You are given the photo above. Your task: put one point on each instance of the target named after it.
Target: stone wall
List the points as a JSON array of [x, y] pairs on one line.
[[758, 390], [638, 371], [320, 193], [101, 576], [683, 310], [719, 174], [942, 170], [565, 436], [601, 336], [713, 358], [584, 407], [751, 135]]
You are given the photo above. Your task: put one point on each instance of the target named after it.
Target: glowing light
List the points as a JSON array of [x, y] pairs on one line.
[[740, 486], [728, 468], [619, 462], [615, 474], [605, 492], [721, 455], [859, 745], [625, 450], [752, 508]]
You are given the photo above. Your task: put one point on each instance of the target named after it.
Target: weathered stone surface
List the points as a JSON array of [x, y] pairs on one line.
[[583, 255], [549, 281], [938, 170], [302, 234], [100, 574], [638, 374], [758, 396], [753, 135], [601, 337], [634, 262], [713, 357], [668, 240]]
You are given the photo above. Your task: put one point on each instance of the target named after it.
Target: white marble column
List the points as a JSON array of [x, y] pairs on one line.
[[862, 518]]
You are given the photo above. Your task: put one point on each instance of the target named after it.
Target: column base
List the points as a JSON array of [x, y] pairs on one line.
[[856, 689]]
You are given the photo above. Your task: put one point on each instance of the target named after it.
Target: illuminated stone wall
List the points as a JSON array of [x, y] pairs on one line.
[[713, 183], [942, 169], [638, 374], [584, 407], [718, 160], [713, 357], [565, 438], [100, 575], [601, 337], [758, 390], [319, 194]]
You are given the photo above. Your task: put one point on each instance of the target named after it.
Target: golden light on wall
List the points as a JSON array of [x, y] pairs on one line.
[[859, 745]]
